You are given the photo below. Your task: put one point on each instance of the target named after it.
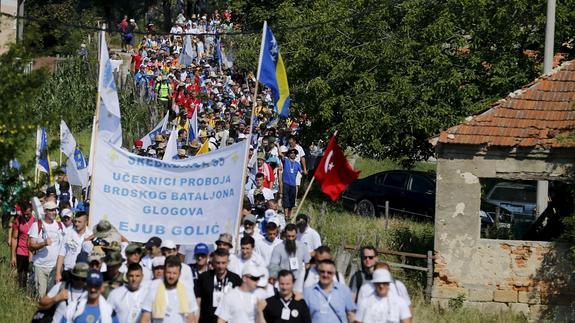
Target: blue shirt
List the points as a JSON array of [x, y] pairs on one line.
[[291, 168], [331, 307], [91, 314]]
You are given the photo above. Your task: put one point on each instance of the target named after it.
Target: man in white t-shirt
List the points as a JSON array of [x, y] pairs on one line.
[[396, 287], [65, 293], [260, 190], [45, 238], [306, 234], [247, 256], [72, 246], [383, 306], [265, 247], [127, 300], [169, 248], [168, 300], [239, 305]]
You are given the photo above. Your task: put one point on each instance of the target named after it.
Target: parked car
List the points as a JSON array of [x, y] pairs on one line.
[[411, 192], [518, 198]]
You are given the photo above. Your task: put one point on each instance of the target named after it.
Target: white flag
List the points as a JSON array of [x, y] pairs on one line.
[[171, 152], [188, 53], [148, 139], [109, 124], [67, 141]]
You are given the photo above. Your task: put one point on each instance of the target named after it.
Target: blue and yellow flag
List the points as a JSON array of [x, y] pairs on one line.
[[272, 72]]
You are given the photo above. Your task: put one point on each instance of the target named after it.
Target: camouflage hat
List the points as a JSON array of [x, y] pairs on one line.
[[134, 248], [80, 270], [113, 258], [195, 144], [226, 238]]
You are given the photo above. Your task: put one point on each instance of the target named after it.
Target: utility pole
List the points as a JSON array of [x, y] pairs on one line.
[[20, 21], [543, 186]]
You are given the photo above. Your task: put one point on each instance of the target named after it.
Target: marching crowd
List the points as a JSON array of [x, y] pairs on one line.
[[278, 270]]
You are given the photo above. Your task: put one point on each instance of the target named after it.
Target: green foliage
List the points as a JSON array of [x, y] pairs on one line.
[[69, 93], [391, 74], [456, 303], [16, 305], [17, 123]]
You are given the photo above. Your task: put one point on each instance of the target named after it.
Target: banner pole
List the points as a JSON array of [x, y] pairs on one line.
[[96, 124], [304, 196], [249, 137]]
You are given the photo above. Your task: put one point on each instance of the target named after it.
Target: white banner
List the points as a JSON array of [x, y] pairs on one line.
[[188, 201]]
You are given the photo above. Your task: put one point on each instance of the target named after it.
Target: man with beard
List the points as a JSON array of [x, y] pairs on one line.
[[363, 276], [213, 285], [127, 300], [291, 255], [250, 228], [168, 299]]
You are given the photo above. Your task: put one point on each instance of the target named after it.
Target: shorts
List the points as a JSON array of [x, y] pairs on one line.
[[288, 198], [298, 179]]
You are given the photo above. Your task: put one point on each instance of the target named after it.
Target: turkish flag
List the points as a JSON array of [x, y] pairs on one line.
[[334, 171]]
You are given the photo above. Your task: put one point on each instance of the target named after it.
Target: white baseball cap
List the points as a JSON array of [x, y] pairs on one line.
[[158, 261], [169, 244], [253, 270], [381, 276]]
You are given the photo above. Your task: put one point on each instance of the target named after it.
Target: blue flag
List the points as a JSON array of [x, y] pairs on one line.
[[42, 158], [272, 73]]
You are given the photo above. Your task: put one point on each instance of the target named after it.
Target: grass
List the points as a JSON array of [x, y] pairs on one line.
[[15, 305]]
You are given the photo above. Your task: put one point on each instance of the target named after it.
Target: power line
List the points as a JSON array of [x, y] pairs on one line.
[[56, 23]]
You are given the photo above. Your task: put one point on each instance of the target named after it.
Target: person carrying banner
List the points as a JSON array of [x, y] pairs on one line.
[[45, 240]]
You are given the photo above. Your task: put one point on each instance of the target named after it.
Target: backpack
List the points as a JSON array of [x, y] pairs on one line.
[[40, 223], [47, 315]]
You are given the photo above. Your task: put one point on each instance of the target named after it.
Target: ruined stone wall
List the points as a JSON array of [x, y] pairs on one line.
[[532, 277]]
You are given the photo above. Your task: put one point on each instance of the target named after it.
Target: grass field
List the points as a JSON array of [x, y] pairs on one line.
[[15, 305]]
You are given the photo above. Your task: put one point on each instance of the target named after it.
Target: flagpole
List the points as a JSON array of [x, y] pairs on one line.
[[96, 123], [249, 138], [308, 188], [37, 156]]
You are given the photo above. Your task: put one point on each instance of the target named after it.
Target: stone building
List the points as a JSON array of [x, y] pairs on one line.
[[529, 135]]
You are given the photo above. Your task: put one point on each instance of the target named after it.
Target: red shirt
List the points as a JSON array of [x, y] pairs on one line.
[[22, 229], [137, 59]]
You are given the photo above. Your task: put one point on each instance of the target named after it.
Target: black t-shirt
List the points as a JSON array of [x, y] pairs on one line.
[[204, 289], [299, 311]]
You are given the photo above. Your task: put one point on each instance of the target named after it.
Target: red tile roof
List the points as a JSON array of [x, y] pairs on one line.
[[540, 115]]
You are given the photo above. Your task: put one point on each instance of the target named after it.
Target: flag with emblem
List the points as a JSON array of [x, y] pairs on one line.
[[77, 169], [334, 173], [42, 156], [272, 72]]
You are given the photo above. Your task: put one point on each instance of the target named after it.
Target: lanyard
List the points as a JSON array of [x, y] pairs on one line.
[[220, 286], [286, 304]]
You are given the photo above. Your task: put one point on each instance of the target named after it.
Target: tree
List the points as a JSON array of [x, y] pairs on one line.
[[389, 75], [17, 123]]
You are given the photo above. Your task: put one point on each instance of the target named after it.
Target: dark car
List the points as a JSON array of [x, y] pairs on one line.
[[410, 192]]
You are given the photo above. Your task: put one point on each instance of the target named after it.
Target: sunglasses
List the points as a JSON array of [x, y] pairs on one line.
[[368, 257], [254, 278]]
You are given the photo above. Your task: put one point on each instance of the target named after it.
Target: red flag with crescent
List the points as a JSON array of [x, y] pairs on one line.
[[334, 171]]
